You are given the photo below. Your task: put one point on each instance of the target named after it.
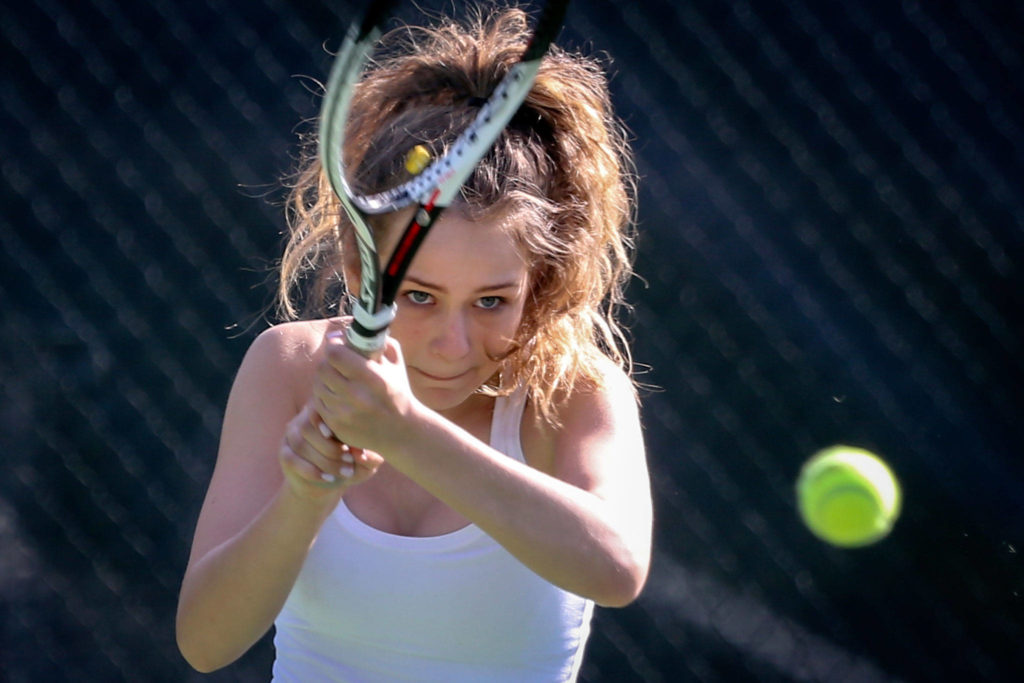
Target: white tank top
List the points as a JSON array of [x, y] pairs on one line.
[[376, 607]]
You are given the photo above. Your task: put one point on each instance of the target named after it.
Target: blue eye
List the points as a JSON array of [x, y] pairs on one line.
[[419, 298], [490, 302]]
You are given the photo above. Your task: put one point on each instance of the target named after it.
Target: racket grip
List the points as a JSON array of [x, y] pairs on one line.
[[368, 331]]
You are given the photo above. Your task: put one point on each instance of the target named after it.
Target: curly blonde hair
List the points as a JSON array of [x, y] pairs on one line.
[[563, 168]]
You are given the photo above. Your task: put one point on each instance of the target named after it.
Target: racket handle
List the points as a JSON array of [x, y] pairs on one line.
[[368, 331]]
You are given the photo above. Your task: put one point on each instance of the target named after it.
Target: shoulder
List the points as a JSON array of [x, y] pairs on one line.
[[610, 402], [286, 354], [294, 339], [611, 395], [292, 343], [593, 413]]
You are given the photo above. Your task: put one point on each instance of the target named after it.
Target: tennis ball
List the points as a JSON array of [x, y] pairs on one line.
[[848, 496], [417, 159]]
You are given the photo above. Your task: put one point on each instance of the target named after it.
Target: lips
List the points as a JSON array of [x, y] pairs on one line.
[[442, 378]]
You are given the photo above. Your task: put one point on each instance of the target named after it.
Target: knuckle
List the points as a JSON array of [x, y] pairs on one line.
[[288, 445]]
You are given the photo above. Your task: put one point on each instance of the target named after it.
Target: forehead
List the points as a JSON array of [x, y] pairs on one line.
[[484, 250]]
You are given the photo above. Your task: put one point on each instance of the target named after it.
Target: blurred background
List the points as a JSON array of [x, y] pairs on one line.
[[832, 224]]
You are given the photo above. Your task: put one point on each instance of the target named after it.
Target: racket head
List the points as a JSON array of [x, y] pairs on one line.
[[346, 71]]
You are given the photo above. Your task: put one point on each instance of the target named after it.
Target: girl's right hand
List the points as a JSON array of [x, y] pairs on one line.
[[316, 466]]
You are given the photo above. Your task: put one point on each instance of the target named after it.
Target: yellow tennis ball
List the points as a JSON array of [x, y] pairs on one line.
[[848, 496], [417, 159]]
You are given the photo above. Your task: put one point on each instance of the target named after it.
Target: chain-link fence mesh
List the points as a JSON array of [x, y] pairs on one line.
[[832, 225]]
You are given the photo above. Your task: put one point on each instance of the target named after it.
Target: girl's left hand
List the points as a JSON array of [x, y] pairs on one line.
[[363, 400]]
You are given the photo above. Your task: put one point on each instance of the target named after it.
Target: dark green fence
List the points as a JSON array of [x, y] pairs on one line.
[[832, 219]]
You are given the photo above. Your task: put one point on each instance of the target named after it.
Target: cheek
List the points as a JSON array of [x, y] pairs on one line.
[[502, 332], [408, 323], [407, 328]]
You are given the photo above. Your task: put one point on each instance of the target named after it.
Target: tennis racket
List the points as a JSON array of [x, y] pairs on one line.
[[435, 187]]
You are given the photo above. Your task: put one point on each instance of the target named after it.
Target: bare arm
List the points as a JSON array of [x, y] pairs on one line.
[[264, 507], [586, 528], [584, 523]]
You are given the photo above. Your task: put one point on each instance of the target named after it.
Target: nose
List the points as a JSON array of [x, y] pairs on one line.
[[451, 338]]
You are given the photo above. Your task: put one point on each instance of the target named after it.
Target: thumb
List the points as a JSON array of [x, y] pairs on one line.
[[392, 351]]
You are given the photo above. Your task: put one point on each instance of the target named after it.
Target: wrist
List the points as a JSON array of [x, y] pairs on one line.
[[406, 431], [311, 500]]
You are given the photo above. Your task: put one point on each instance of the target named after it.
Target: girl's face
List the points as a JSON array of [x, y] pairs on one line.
[[459, 307]]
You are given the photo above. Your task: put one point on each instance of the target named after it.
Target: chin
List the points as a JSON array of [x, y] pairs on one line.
[[441, 398]]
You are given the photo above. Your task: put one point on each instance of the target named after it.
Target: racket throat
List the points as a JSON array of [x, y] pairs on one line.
[[410, 242], [369, 329]]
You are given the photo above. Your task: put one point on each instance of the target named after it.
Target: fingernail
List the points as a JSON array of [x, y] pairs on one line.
[[347, 457], [325, 430], [346, 471], [329, 478]]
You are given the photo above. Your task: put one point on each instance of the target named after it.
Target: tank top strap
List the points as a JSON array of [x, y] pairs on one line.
[[506, 424]]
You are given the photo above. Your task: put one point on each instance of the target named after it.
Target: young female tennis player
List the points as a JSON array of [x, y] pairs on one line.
[[453, 509]]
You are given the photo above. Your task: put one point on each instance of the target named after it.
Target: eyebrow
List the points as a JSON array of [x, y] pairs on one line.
[[512, 284]]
